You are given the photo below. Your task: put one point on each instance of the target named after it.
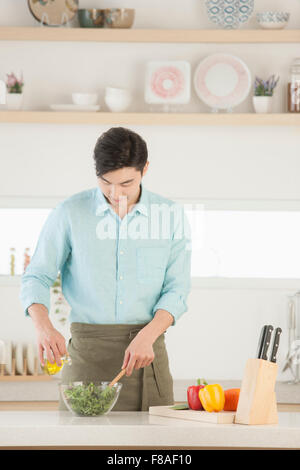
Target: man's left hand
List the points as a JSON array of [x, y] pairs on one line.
[[138, 354]]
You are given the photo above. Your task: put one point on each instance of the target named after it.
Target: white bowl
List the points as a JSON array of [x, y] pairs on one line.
[[117, 104], [273, 19], [85, 98], [117, 99], [116, 91]]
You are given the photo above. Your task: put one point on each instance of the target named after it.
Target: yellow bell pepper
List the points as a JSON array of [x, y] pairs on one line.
[[212, 397]]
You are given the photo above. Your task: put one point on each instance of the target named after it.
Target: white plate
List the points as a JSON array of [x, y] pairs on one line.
[[8, 357], [2, 351], [40, 370], [30, 357], [75, 107], [222, 81], [19, 358]]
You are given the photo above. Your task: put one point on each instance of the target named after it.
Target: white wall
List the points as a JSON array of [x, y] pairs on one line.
[[220, 330]]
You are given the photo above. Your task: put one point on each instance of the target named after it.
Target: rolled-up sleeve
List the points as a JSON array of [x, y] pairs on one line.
[[177, 281], [51, 252]]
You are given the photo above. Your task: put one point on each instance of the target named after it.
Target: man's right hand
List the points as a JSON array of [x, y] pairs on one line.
[[49, 339]]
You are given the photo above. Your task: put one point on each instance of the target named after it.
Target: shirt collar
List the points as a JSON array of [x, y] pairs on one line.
[[142, 206]]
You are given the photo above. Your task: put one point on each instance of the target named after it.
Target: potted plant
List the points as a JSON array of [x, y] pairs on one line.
[[59, 305], [14, 86], [263, 94]]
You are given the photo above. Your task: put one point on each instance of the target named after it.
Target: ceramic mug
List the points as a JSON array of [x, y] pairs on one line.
[[117, 99]]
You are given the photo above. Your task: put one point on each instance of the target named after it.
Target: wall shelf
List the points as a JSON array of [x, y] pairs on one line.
[[43, 33], [25, 378], [168, 119]]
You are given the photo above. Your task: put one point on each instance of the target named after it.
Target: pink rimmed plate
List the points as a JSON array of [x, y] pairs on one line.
[[222, 81], [167, 82]]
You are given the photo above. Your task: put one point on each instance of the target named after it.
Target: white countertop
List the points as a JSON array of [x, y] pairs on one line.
[[139, 429], [49, 391]]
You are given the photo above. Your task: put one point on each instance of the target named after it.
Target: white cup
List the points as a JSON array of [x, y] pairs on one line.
[[117, 99]]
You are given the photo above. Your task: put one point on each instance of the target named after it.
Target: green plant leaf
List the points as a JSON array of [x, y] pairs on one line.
[[184, 406]]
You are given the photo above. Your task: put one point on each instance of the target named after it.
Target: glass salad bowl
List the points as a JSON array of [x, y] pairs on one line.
[[90, 399]]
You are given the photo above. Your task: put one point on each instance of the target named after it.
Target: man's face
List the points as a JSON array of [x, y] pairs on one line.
[[122, 186]]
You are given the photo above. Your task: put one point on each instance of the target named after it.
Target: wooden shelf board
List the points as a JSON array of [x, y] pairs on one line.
[[189, 119], [29, 405], [25, 378], [39, 33]]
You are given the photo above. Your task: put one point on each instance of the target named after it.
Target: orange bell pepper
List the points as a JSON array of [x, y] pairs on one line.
[[232, 396], [212, 397]]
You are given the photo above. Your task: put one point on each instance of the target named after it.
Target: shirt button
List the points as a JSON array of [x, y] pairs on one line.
[[121, 301], [121, 277], [121, 252]]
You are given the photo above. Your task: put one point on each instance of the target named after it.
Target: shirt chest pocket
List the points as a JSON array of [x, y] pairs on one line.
[[151, 263]]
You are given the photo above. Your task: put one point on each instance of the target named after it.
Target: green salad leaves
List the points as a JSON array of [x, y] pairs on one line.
[[89, 400]]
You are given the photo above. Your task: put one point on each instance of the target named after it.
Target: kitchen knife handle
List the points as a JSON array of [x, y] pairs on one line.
[[261, 341], [278, 332], [267, 341]]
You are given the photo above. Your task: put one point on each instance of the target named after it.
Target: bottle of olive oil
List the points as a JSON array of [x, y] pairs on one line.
[[52, 369], [12, 261]]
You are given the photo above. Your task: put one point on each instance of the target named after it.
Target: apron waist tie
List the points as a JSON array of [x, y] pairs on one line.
[[145, 401]]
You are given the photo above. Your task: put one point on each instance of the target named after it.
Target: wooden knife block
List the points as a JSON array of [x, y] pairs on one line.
[[257, 403]]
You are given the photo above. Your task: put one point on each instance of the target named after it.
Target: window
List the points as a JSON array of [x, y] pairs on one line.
[[225, 243], [19, 229], [245, 244]]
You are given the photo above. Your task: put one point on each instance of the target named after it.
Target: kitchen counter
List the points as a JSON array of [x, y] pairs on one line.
[[49, 391], [118, 430]]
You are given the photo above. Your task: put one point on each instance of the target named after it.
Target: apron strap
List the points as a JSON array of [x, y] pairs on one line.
[[145, 398]]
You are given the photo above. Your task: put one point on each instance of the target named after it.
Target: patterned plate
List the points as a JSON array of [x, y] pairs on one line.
[[229, 13], [222, 81], [53, 12], [167, 82]]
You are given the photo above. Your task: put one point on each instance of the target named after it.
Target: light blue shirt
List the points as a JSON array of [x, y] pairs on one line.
[[113, 270]]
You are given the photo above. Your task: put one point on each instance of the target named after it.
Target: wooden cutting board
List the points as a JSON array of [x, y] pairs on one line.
[[222, 417]]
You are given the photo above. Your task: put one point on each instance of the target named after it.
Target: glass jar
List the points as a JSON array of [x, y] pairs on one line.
[[294, 87], [12, 261], [26, 258]]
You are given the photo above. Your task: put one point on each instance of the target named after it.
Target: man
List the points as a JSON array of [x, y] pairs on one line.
[[124, 258]]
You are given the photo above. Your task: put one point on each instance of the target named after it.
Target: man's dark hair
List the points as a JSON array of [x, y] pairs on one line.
[[117, 148]]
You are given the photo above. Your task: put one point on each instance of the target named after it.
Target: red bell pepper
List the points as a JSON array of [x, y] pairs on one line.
[[193, 395]]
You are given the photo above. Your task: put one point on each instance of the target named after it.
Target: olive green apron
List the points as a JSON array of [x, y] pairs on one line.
[[97, 353]]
